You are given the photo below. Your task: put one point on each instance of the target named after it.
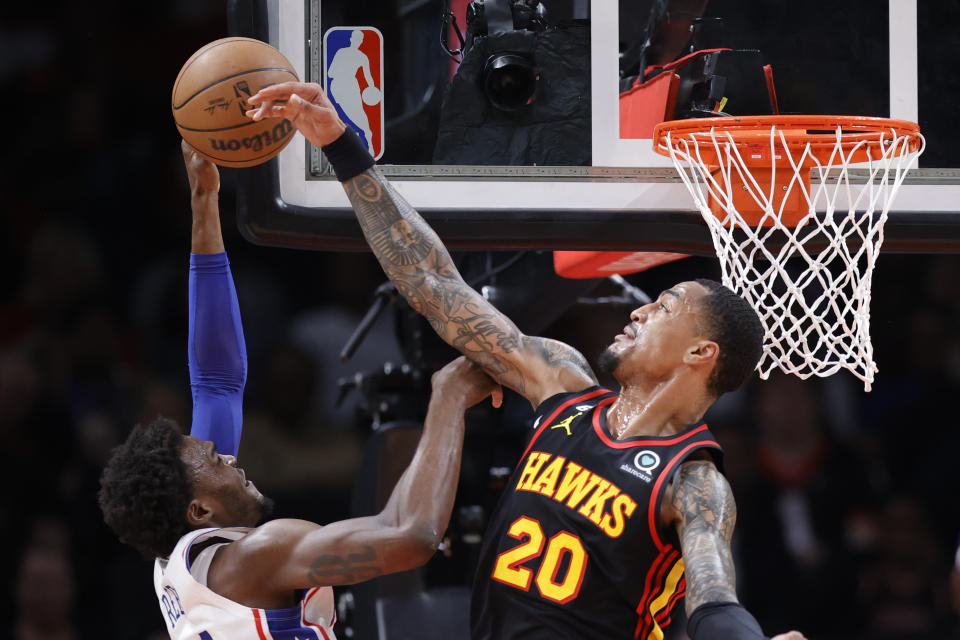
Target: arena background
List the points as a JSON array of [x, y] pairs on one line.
[[853, 538]]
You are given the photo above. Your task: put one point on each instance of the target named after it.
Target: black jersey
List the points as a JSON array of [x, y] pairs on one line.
[[575, 548]]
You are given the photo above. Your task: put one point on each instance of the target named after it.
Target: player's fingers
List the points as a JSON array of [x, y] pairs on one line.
[[297, 107], [497, 397], [291, 111], [265, 110], [268, 93], [191, 158], [283, 90]]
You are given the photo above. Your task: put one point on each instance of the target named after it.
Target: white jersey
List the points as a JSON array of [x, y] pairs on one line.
[[194, 612]]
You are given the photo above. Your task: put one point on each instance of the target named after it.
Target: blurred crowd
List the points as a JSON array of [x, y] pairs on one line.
[[848, 519]]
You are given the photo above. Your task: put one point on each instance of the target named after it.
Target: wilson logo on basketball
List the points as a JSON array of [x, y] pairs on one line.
[[273, 136]]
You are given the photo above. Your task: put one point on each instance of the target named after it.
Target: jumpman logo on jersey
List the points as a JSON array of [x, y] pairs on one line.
[[565, 424]]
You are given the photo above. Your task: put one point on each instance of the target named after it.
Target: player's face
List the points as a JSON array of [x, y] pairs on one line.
[[222, 485], [658, 336]]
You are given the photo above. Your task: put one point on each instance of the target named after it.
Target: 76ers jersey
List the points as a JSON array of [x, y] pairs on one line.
[[194, 612], [575, 548]]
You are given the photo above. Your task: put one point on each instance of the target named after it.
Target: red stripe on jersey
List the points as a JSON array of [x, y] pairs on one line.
[[557, 411], [257, 620], [616, 444], [651, 511], [666, 623], [668, 556], [303, 613], [663, 617], [648, 582], [646, 622]]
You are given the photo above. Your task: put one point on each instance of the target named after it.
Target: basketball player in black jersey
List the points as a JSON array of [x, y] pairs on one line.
[[617, 508]]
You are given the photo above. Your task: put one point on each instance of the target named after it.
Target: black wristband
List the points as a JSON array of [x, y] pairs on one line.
[[723, 621], [347, 155]]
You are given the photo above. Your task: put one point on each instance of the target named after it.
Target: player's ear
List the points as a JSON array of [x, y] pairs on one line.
[[199, 513], [702, 352]]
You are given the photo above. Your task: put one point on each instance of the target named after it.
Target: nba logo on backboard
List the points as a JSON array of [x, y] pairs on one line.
[[353, 79]]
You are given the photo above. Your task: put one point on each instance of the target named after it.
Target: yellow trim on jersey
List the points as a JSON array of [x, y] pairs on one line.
[[673, 579]]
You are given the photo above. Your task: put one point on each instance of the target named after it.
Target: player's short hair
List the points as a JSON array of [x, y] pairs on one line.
[[731, 322], [145, 489]]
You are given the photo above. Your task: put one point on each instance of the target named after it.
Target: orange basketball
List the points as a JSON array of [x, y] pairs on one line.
[[210, 99]]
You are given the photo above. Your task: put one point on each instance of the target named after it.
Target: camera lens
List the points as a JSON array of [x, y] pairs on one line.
[[509, 81]]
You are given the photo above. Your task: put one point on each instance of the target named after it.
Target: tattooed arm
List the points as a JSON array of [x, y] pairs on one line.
[[420, 267], [414, 258], [700, 505], [701, 508], [284, 555]]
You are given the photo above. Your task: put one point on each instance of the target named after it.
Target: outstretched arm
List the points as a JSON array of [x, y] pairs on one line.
[[414, 258], [289, 554], [216, 352], [702, 508]]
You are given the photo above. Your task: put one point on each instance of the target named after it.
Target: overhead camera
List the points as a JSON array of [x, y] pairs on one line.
[[509, 81], [508, 77], [521, 91]]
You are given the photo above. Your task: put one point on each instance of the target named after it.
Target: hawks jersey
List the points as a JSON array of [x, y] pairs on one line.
[[575, 548], [194, 612]]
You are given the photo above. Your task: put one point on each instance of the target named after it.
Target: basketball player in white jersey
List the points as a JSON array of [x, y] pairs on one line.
[[184, 501]]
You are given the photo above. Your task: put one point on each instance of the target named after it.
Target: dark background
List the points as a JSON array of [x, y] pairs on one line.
[[847, 500]]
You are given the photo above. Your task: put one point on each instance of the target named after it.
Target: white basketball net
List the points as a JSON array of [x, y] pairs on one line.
[[810, 284]]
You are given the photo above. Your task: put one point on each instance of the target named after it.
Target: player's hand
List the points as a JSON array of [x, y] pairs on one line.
[[203, 175], [468, 381], [305, 105], [790, 635]]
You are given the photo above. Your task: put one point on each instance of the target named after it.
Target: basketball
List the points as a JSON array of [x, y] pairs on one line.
[[210, 100]]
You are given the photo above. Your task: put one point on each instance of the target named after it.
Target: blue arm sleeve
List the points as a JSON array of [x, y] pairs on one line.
[[216, 353]]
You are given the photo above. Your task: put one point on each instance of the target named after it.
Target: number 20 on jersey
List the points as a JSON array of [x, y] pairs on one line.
[[511, 569]]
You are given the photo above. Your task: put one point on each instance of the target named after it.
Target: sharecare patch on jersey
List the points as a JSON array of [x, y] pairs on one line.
[[580, 489], [643, 463], [353, 80]]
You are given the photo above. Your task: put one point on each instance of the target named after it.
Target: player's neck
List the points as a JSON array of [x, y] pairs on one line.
[[657, 408]]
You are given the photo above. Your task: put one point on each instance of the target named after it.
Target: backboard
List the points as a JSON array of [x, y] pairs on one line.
[[590, 181]]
